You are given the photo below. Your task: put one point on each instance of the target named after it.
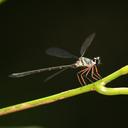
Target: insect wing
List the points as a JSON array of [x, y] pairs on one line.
[[86, 43], [55, 74], [58, 52]]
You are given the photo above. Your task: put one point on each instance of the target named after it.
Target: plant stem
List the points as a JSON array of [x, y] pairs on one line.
[[45, 100], [98, 86]]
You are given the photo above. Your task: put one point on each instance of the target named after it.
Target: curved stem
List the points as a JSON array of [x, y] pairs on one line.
[[98, 86]]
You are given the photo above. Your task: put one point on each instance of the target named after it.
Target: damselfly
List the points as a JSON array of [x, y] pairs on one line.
[[87, 65]]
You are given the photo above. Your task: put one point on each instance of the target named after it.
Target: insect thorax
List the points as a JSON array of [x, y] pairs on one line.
[[83, 61]]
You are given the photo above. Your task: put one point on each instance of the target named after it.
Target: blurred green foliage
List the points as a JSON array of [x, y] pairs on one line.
[[1, 1]]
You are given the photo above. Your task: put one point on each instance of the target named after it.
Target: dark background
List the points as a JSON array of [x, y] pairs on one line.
[[28, 28]]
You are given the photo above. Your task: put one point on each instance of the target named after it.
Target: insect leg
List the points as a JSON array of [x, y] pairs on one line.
[[97, 73], [79, 77], [93, 74], [89, 69]]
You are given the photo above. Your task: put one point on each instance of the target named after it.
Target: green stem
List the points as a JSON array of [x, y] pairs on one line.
[[98, 86]]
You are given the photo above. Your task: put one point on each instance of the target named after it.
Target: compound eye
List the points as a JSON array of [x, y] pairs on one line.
[[97, 60]]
